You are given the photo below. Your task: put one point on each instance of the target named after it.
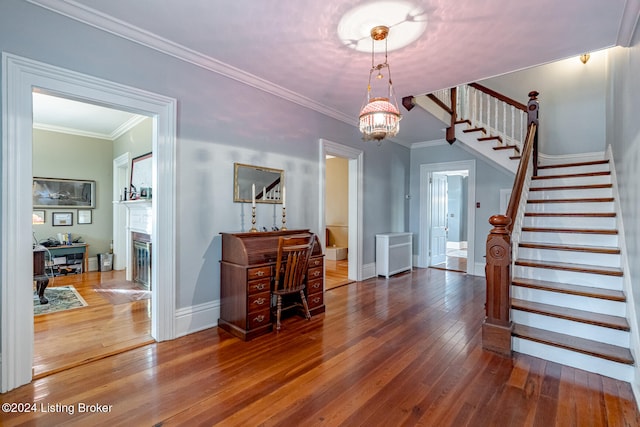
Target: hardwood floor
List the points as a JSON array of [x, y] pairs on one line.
[[116, 319], [387, 352], [336, 273]]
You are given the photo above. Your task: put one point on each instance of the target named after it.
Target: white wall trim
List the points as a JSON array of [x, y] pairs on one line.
[[368, 271], [89, 16], [20, 76], [426, 170], [197, 318], [356, 203], [551, 159]]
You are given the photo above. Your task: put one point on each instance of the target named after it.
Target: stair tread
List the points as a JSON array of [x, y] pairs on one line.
[[573, 200], [566, 266], [572, 187], [568, 165], [593, 348], [576, 248], [490, 138], [582, 316], [566, 288], [574, 214], [571, 175], [570, 230]]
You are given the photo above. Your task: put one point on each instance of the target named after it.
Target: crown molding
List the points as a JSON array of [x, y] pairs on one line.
[[117, 133], [89, 16]]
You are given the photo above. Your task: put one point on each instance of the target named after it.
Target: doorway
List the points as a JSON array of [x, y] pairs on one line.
[[355, 210], [19, 77], [337, 220], [449, 239], [70, 132], [447, 216]]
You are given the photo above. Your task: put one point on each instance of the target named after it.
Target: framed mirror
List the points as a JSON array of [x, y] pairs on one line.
[[268, 184]]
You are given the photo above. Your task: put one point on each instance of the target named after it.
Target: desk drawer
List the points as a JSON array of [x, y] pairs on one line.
[[259, 285], [259, 318], [315, 273], [259, 272], [258, 302], [315, 300], [314, 286], [315, 262]]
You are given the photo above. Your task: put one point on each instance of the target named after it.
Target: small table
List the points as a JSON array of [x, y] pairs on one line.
[[75, 248]]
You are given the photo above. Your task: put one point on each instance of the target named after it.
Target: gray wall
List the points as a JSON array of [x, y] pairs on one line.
[[220, 121], [60, 155], [572, 102], [623, 133]]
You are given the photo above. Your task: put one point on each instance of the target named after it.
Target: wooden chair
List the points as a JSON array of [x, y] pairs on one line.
[[291, 270]]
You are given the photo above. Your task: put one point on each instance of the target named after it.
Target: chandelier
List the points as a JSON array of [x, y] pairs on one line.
[[379, 116]]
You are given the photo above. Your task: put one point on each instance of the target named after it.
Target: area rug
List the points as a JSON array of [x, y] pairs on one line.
[[60, 298]]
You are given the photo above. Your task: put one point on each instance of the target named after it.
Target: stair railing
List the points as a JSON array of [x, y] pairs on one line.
[[483, 108], [502, 242]]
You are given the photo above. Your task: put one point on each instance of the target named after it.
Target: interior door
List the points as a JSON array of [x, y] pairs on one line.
[[438, 229]]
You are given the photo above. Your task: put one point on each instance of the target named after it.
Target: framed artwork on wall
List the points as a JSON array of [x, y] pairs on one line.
[[62, 218], [39, 217], [84, 216], [141, 176], [63, 193]]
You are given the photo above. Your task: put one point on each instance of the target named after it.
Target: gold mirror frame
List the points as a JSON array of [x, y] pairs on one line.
[[265, 179]]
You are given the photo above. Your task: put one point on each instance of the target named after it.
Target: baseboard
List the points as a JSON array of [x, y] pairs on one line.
[[368, 271], [478, 269], [570, 158], [197, 318]]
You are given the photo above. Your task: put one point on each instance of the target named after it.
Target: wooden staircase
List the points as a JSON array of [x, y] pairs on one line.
[[567, 299]]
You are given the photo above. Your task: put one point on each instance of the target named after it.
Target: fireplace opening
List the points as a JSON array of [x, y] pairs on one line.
[[141, 260]]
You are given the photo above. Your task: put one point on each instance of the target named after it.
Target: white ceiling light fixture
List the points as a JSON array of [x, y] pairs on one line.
[[379, 116]]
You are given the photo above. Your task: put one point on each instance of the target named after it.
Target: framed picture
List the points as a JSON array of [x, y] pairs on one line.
[[39, 217], [63, 193], [62, 218], [141, 176], [84, 216]]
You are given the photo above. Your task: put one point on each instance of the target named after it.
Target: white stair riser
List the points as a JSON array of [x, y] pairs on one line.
[[570, 207], [574, 169], [585, 362], [579, 239], [570, 277], [581, 222], [578, 302], [573, 257], [560, 181], [570, 327], [570, 193]]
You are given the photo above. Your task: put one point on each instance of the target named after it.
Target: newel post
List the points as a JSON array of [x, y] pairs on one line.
[[533, 107], [497, 326]]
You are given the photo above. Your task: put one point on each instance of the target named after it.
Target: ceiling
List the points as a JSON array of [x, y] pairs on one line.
[[292, 48]]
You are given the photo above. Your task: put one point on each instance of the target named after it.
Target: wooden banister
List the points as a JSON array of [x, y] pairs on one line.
[[499, 96], [497, 326]]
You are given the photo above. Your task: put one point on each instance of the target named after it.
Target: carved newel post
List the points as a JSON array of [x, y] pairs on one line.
[[497, 326]]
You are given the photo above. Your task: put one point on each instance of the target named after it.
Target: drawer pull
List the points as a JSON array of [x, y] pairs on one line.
[[316, 262], [316, 300], [260, 301], [260, 273], [316, 273], [259, 319], [259, 286], [315, 285]]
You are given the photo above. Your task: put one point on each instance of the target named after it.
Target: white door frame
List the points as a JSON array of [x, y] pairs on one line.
[[426, 170], [20, 76], [121, 170], [355, 158]]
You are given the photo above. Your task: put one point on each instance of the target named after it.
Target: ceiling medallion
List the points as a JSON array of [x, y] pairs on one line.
[[379, 116]]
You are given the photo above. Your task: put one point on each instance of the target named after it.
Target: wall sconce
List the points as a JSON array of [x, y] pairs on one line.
[[584, 57]]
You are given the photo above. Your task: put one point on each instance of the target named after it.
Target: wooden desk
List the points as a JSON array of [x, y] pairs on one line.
[[74, 249], [39, 276], [246, 271]]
